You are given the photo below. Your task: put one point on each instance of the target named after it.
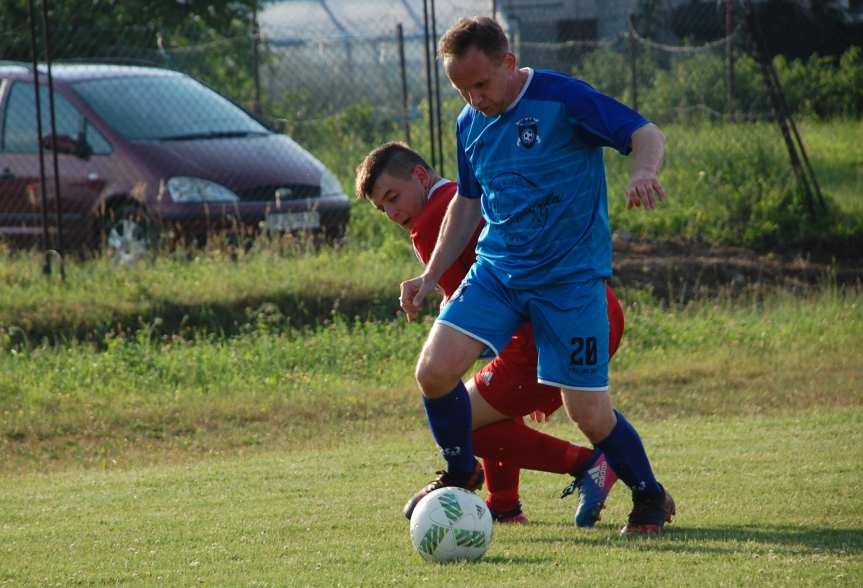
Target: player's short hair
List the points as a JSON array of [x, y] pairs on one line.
[[474, 31], [393, 158]]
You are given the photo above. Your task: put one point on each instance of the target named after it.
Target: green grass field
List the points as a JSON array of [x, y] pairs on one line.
[[766, 501], [283, 457]]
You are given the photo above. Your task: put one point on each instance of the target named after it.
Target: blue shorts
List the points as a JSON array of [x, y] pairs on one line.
[[570, 322]]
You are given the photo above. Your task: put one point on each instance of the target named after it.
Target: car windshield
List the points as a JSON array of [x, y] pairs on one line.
[[166, 108]]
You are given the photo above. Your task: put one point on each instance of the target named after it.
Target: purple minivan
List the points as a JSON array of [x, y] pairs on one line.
[[146, 150]]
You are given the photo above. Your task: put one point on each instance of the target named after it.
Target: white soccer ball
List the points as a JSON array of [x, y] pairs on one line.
[[451, 524]]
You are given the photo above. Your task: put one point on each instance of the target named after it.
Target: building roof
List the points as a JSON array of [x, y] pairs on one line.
[[287, 20]]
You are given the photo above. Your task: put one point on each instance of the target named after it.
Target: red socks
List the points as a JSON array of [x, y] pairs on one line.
[[502, 483], [506, 446]]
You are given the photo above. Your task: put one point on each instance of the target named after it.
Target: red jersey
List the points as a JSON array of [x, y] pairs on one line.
[[426, 228]]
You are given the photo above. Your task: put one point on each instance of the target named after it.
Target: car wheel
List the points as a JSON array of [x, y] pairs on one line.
[[128, 235], [335, 234]]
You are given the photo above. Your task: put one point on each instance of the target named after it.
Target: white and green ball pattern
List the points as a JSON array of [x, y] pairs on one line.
[[451, 524]]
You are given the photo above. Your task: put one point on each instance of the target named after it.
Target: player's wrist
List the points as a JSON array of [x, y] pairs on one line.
[[431, 275]]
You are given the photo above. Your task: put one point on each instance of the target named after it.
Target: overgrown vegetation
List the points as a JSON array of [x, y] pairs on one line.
[[693, 88], [277, 384]]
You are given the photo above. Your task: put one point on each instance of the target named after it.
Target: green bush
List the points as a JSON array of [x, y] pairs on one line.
[[729, 184], [694, 87]]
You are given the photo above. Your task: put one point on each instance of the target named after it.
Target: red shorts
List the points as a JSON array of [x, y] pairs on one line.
[[508, 382]]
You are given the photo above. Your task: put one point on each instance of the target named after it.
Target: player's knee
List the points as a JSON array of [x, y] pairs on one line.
[[595, 426], [433, 377], [594, 419]]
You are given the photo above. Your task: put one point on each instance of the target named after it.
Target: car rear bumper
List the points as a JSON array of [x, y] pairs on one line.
[[327, 213]]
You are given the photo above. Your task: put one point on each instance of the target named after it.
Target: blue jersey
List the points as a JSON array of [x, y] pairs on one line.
[[538, 168]]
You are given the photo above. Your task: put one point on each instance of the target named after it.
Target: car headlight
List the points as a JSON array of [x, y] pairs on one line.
[[184, 189], [329, 183]]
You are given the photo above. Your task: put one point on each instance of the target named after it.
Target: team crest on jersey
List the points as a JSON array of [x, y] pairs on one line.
[[528, 133]]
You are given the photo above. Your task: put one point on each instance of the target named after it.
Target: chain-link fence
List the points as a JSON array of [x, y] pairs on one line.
[[145, 153]]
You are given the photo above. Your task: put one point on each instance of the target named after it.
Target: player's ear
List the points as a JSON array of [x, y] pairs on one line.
[[509, 61], [421, 173]]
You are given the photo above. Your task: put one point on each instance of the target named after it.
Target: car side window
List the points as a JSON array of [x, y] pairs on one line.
[[19, 127]]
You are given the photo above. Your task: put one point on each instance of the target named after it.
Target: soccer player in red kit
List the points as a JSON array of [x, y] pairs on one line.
[[397, 181]]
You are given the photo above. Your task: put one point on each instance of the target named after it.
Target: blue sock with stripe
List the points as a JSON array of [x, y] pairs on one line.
[[450, 421], [625, 454]]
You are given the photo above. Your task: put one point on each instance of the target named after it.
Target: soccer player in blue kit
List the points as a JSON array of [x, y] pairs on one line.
[[530, 162]]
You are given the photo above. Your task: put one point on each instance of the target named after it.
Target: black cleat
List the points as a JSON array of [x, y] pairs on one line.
[[649, 514], [472, 482]]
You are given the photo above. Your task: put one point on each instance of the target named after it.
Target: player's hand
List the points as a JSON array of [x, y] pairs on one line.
[[644, 190], [413, 292], [538, 416]]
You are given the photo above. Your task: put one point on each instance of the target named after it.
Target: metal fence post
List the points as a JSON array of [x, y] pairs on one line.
[[633, 66], [429, 85], [400, 39], [46, 38], [256, 39], [46, 243], [440, 168], [729, 50]]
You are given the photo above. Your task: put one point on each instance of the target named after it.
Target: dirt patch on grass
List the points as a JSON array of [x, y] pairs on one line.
[[678, 271]]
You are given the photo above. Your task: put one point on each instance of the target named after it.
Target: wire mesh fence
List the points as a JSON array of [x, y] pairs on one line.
[[167, 133]]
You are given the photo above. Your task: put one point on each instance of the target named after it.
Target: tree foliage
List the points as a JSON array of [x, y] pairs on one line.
[[117, 28], [792, 28]]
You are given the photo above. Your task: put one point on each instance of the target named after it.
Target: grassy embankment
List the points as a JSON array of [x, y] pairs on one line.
[[276, 385]]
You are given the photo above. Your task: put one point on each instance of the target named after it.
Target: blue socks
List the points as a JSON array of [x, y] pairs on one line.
[[450, 421], [625, 454]]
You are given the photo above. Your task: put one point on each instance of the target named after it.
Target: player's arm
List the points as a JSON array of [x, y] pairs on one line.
[[604, 121], [459, 224], [648, 147]]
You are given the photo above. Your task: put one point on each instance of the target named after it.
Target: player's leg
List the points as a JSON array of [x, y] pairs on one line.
[[595, 482], [501, 480], [490, 430], [572, 332], [500, 393], [475, 319], [506, 388], [504, 399], [447, 354], [610, 432]]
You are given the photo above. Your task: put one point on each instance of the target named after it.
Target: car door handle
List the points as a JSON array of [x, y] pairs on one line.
[[7, 174]]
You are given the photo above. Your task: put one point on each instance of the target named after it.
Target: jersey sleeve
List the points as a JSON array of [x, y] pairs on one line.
[[468, 186], [600, 119]]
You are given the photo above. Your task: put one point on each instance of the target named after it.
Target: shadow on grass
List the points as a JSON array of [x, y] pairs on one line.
[[520, 560], [752, 539], [161, 318]]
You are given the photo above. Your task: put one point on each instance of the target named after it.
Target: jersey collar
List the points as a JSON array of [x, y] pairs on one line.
[[522, 91], [437, 185]]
